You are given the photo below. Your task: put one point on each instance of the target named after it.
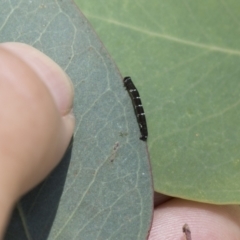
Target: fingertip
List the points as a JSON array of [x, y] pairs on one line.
[[56, 80], [206, 221]]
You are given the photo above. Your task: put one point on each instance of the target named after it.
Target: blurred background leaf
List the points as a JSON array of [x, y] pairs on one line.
[[103, 187], [184, 57]]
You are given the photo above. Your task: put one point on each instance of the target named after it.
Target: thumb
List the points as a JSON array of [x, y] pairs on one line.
[[36, 122]]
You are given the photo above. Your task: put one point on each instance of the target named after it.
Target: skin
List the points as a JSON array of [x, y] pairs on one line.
[[36, 99], [36, 121], [206, 221]]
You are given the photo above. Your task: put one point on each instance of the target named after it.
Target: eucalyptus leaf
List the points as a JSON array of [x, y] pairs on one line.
[[102, 189], [184, 56]]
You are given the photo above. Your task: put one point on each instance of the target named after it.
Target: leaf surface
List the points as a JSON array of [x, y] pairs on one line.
[[102, 189], [184, 57]]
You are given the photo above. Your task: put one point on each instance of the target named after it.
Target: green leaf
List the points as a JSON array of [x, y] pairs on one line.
[[102, 189], [184, 56]]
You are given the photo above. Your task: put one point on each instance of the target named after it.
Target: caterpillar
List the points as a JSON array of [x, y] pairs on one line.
[[138, 108]]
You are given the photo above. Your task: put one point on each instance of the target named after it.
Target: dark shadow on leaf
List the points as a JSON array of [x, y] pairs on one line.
[[35, 213]]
